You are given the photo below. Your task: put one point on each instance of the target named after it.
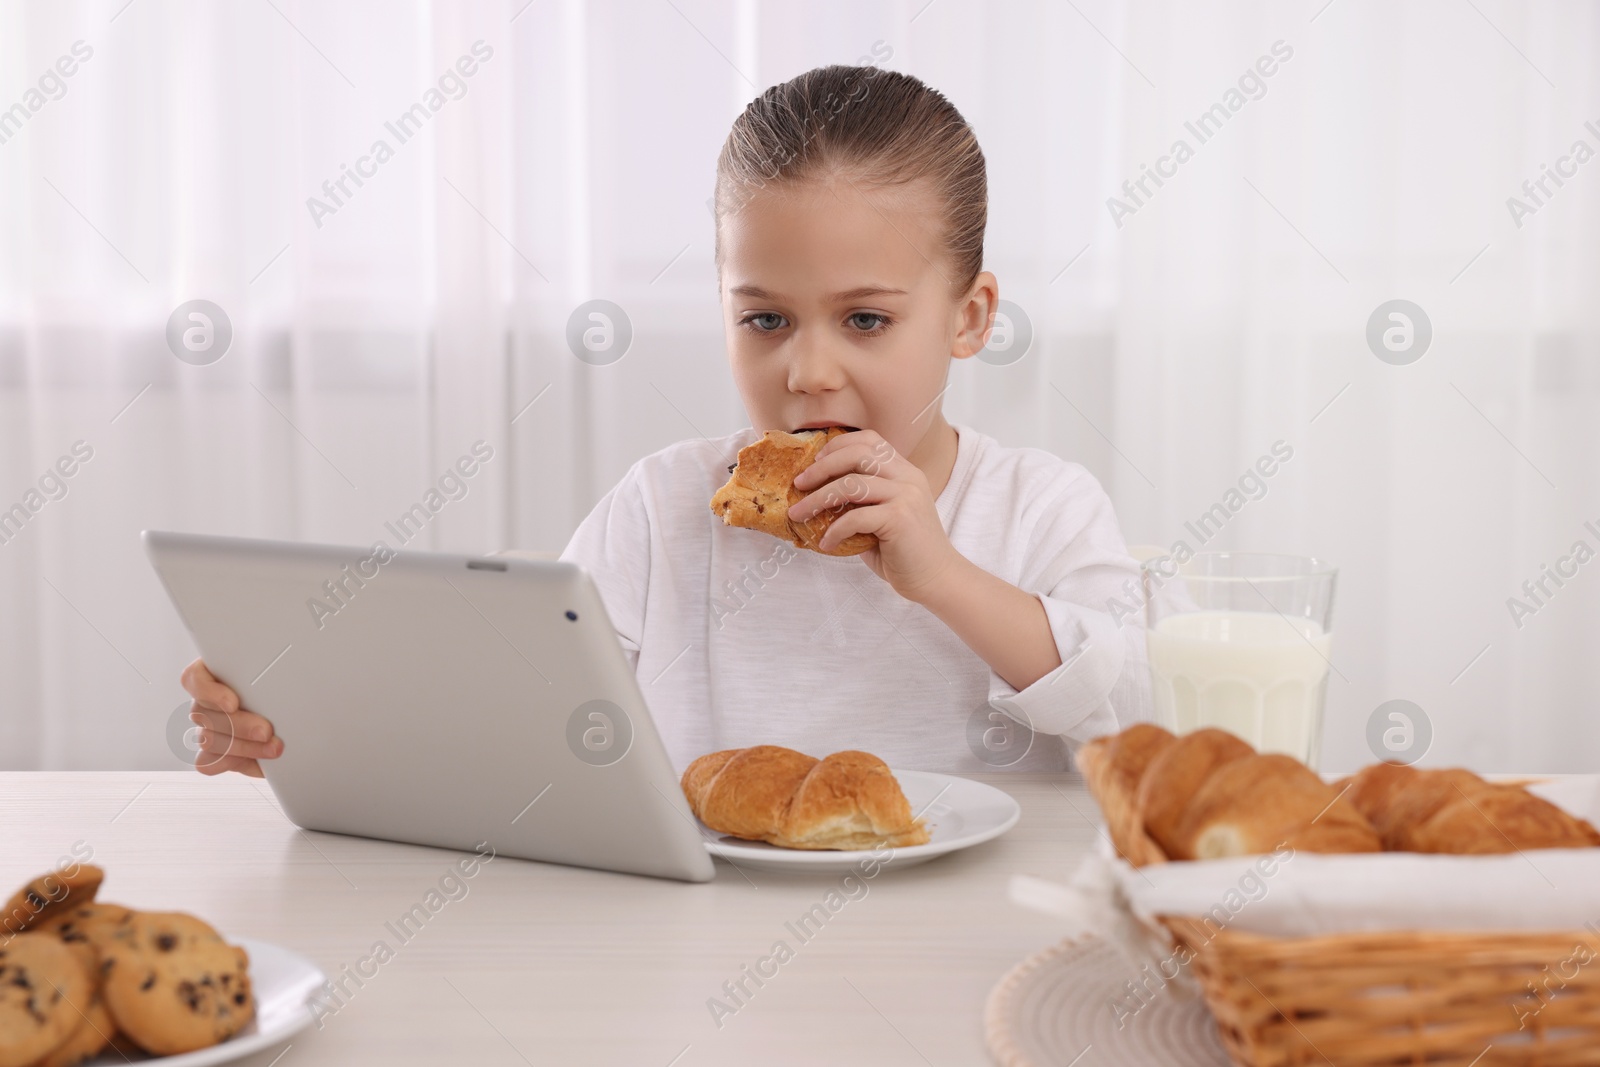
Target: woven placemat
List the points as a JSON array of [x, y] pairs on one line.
[[1060, 1008]]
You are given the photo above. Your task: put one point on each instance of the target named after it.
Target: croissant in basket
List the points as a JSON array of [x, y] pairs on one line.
[[1455, 811], [1208, 794], [1367, 998], [1163, 796], [850, 800], [1211, 795]]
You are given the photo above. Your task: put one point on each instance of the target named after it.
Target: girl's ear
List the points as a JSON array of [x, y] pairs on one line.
[[975, 316]]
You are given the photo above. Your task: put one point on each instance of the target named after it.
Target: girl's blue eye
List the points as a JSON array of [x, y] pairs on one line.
[[873, 323], [766, 326]]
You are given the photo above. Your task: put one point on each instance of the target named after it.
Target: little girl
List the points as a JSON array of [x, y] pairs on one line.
[[850, 206]]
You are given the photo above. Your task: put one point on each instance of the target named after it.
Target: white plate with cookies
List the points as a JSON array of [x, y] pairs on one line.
[[285, 983], [87, 981], [957, 812]]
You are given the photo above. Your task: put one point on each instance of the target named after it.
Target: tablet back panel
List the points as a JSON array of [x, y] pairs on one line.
[[439, 699]]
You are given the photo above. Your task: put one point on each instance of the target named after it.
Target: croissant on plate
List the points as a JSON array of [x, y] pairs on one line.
[[849, 800]]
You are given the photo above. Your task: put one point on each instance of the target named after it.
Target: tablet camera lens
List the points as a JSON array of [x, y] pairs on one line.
[[573, 615]]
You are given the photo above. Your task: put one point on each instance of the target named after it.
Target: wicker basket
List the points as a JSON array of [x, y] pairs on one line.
[[1469, 999]]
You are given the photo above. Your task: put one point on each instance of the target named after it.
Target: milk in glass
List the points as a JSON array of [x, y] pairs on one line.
[[1256, 674]]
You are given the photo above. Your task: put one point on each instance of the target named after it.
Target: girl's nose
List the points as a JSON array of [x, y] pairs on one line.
[[813, 369]]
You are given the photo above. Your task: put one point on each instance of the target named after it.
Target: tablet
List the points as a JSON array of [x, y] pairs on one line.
[[448, 700]]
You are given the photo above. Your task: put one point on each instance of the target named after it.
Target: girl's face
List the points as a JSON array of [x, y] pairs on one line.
[[838, 309]]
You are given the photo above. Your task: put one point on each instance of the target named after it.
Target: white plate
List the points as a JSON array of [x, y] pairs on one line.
[[960, 813], [283, 981]]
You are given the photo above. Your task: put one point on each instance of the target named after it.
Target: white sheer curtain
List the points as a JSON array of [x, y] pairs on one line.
[[374, 344]]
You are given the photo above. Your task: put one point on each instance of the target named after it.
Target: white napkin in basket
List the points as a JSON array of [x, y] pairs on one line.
[[1307, 894]]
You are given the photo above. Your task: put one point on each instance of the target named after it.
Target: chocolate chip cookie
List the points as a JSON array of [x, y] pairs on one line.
[[49, 893], [43, 988], [95, 1025], [94, 923], [174, 985], [87, 929]]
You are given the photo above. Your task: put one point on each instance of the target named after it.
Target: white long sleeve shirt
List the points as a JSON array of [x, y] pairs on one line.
[[738, 638]]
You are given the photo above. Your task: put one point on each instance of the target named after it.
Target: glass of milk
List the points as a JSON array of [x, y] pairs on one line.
[[1242, 641]]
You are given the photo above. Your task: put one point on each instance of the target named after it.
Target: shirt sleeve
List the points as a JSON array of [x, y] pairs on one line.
[[613, 545], [1076, 564]]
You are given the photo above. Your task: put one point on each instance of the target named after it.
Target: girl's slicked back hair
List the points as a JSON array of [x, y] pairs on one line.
[[871, 126]]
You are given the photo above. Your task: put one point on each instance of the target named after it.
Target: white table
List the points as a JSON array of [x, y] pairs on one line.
[[542, 964]]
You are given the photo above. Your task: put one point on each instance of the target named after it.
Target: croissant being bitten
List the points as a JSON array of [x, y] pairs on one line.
[[850, 800], [760, 491]]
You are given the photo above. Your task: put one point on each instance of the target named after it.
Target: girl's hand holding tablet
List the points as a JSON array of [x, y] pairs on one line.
[[231, 738]]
